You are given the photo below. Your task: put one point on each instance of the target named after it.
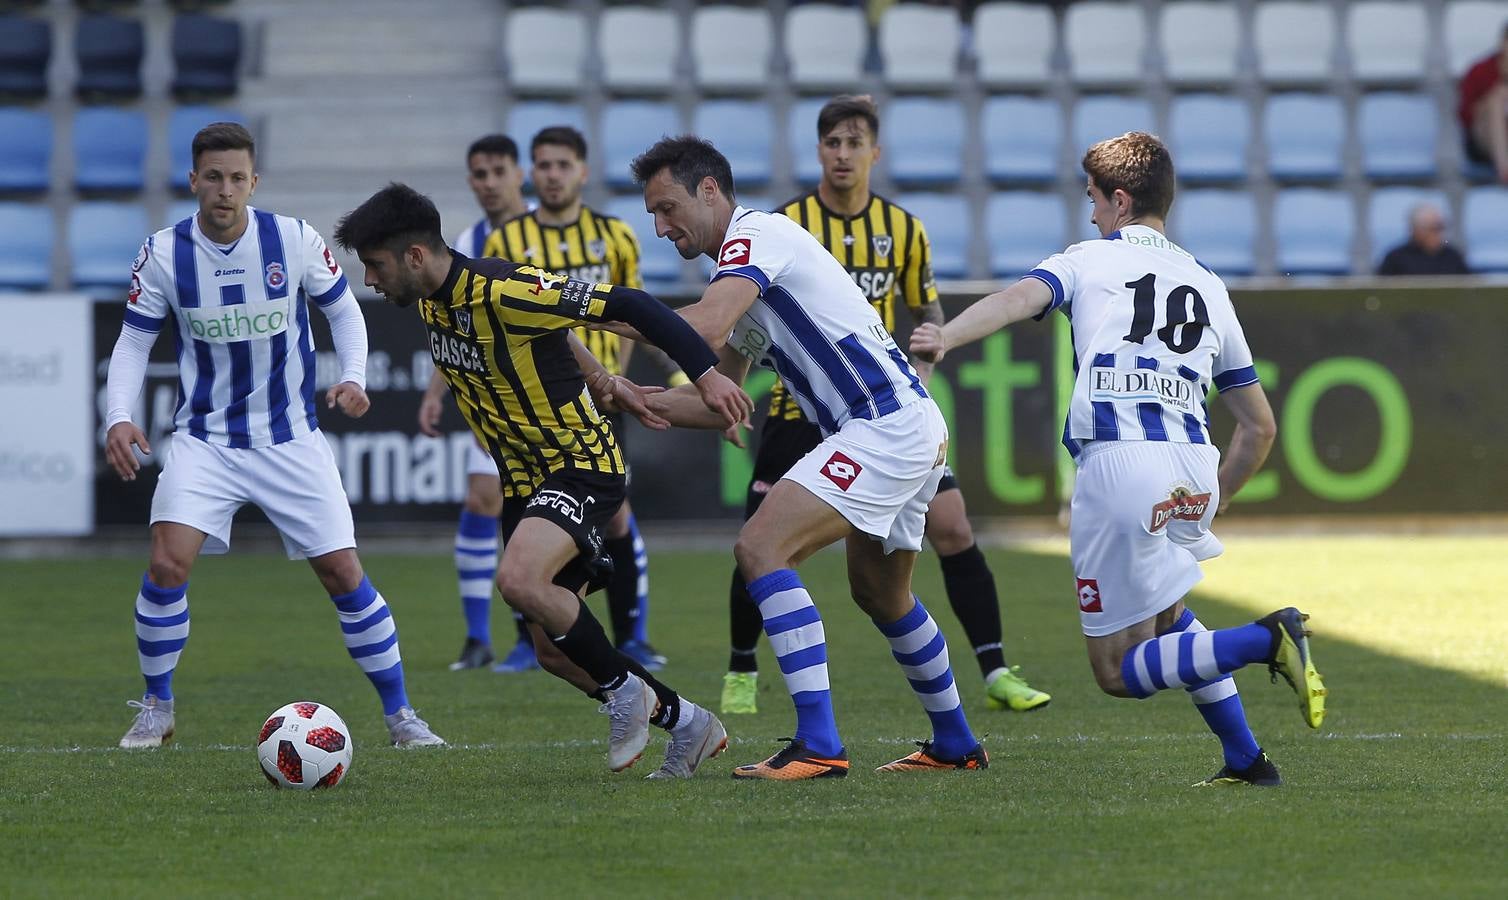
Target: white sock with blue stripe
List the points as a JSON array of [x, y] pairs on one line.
[[1183, 659], [800, 644], [919, 646], [162, 628], [372, 640], [1220, 706], [476, 567]]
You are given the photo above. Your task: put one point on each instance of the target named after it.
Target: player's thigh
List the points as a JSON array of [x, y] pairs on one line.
[[297, 484], [790, 525], [948, 528], [880, 582], [200, 487]]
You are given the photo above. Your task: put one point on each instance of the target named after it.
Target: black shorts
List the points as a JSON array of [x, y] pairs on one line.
[[581, 504], [782, 443]]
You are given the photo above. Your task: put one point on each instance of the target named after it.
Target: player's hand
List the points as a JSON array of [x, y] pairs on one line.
[[725, 398], [118, 454], [735, 435], [615, 393], [927, 342], [351, 399], [429, 415]]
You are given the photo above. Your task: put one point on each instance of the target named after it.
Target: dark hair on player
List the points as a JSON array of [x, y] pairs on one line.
[[690, 159], [392, 219], [493, 145], [1137, 163], [560, 136], [222, 136], [848, 106]]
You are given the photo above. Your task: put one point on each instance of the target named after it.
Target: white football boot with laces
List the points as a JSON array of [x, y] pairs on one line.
[[153, 726], [628, 710], [408, 730], [692, 744]]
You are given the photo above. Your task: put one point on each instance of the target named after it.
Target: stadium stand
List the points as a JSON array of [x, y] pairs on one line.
[[1398, 134], [919, 46], [182, 126], [1199, 42], [109, 149], [1471, 28], [747, 71], [1106, 42], [1218, 227], [1483, 224], [103, 238], [527, 118], [177, 211], [1108, 115], [1387, 41], [1021, 38], [801, 135], [632, 42], [1208, 135], [109, 51], [946, 218], [1305, 134], [1387, 216], [1295, 42], [1313, 229], [545, 50], [206, 55], [1022, 139], [825, 46], [26, 252], [1024, 228], [25, 49], [25, 150], [741, 129], [924, 145], [628, 128]]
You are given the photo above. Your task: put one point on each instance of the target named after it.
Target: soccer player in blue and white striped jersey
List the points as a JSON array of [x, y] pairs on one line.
[[1153, 331], [232, 284]]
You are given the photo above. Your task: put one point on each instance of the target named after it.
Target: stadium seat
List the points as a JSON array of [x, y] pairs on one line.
[[206, 54], [825, 45], [26, 252], [1200, 42], [924, 144], [919, 46], [629, 127], [1022, 138], [1020, 38], [1483, 224], [109, 51], [716, 68], [632, 42], [109, 149], [178, 210], [1387, 40], [545, 66], [1295, 41], [946, 218], [1304, 134], [801, 138], [1208, 136], [1218, 227], [527, 118], [1312, 231], [1108, 115], [103, 238], [25, 49], [1106, 42], [660, 263], [182, 126], [25, 150], [741, 129], [1388, 212], [1398, 135], [1023, 229], [1472, 29]]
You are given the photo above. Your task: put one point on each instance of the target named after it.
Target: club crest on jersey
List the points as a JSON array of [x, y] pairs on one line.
[[596, 248], [463, 322], [275, 277], [734, 253], [883, 243], [141, 258], [841, 470], [1183, 504], [1089, 595]]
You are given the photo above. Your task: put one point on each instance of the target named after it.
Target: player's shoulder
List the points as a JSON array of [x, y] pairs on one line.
[[887, 208], [616, 226], [490, 266]]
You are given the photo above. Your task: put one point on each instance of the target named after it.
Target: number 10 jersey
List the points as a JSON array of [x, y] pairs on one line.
[[1153, 329]]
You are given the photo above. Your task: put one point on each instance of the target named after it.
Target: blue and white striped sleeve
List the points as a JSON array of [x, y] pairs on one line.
[[1057, 272], [146, 303], [322, 277], [1233, 366]]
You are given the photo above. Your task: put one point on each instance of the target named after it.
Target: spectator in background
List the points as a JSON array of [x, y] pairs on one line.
[[1483, 110], [1425, 252]]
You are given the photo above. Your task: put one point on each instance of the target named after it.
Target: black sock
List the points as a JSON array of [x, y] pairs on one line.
[[745, 625], [971, 592], [623, 588], [586, 645], [522, 626], [669, 708]]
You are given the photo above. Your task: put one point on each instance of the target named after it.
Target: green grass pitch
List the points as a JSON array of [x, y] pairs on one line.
[[1402, 793]]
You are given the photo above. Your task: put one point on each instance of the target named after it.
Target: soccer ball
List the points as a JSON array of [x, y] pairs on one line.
[[304, 746]]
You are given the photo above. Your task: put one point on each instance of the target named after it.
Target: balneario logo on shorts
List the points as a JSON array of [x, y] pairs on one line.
[[239, 322]]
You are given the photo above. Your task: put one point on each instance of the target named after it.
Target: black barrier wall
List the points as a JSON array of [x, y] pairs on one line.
[[1383, 396]]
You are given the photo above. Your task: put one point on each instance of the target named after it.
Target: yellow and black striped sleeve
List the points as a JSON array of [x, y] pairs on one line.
[[917, 285], [534, 300]]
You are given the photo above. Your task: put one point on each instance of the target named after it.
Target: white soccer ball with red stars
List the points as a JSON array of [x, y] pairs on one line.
[[304, 746]]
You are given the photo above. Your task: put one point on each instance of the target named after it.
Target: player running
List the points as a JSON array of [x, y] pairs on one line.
[[1153, 330], [777, 297], [499, 331], [233, 280]]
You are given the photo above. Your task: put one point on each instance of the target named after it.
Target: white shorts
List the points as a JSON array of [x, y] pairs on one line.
[[479, 461], [880, 474], [296, 483], [1140, 526]]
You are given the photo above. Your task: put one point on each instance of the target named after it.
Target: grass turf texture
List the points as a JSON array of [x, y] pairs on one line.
[[1401, 793]]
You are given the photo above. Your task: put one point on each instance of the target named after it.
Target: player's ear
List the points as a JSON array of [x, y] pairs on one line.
[[709, 189]]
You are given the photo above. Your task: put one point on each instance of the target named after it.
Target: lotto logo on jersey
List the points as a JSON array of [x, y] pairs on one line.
[[330, 263], [734, 253], [1089, 595], [841, 470], [1181, 504]]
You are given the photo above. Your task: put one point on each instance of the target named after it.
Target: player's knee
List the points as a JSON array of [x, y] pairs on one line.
[[484, 501], [1108, 676], [754, 557], [166, 571], [521, 589], [950, 536]]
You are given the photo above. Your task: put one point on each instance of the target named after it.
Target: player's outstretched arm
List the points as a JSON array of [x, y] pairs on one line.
[[687, 407], [614, 393], [1256, 429], [1022, 300], [715, 314]]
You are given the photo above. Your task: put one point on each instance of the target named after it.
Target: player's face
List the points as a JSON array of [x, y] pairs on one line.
[[1106, 215], [394, 276], [683, 219], [558, 176], [497, 181], [847, 153], [223, 181]]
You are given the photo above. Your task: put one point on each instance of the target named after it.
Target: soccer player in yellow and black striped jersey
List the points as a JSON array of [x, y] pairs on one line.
[[885, 249], [498, 331], [565, 235]]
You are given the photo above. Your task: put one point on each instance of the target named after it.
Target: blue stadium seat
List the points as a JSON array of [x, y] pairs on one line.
[[1387, 215], [741, 129], [946, 218], [526, 119], [1304, 134], [1312, 231], [182, 126], [801, 137], [1483, 225], [109, 51], [1109, 115], [924, 144], [1022, 139], [1209, 134], [103, 238], [178, 210], [1398, 134], [629, 127], [660, 263], [25, 149], [206, 53], [1024, 228], [1218, 227], [25, 48], [26, 252], [109, 149]]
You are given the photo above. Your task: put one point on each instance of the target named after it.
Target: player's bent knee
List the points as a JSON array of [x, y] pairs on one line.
[[167, 572], [1109, 679], [950, 538]]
